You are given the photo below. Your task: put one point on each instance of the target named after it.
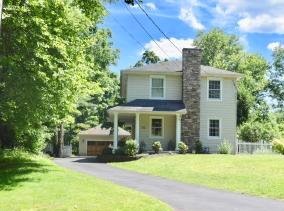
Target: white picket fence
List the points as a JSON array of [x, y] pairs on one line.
[[253, 147]]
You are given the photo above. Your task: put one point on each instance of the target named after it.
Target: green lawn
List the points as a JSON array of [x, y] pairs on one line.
[[33, 183], [261, 175]]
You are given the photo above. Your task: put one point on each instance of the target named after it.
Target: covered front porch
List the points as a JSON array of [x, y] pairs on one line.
[[149, 121]]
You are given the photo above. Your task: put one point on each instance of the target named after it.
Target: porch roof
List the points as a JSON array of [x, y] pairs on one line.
[[148, 105]]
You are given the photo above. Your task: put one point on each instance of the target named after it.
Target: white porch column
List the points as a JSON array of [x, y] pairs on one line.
[[115, 130], [137, 119], [178, 129]]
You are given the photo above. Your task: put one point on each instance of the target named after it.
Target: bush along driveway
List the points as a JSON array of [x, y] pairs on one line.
[[180, 196]]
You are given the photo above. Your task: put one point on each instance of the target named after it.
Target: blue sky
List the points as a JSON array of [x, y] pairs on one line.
[[258, 23]]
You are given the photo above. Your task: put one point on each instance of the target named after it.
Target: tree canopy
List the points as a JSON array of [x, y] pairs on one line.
[[276, 78], [224, 51], [148, 57], [49, 61]]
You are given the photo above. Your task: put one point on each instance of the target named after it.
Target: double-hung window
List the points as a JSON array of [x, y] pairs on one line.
[[214, 89], [214, 128], [157, 87], [156, 129]]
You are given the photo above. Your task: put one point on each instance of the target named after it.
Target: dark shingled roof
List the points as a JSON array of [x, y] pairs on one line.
[[151, 105]]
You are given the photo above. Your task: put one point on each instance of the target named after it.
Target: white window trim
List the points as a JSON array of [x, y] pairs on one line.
[[220, 128], [150, 128], [221, 88], [164, 83]]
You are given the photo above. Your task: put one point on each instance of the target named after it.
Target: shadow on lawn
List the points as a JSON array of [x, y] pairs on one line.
[[13, 174]]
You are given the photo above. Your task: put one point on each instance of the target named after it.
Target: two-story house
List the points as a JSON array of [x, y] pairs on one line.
[[176, 101]]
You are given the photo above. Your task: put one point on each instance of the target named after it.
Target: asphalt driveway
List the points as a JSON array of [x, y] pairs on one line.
[[178, 195]]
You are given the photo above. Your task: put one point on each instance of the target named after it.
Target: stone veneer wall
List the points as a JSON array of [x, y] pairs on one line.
[[191, 61]]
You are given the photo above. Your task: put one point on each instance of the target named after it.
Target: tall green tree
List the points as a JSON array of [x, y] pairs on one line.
[[276, 78], [224, 51], [148, 57], [47, 65]]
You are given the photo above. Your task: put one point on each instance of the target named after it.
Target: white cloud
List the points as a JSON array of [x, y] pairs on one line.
[[274, 45], [251, 16], [151, 6], [171, 51], [262, 24], [189, 17]]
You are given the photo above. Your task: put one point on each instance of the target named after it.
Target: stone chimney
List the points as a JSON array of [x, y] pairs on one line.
[[191, 62]]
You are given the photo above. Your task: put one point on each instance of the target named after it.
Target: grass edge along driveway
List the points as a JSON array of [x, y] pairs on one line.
[[259, 175], [36, 183]]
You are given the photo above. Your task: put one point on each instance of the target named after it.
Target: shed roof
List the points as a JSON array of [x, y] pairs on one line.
[[101, 131]]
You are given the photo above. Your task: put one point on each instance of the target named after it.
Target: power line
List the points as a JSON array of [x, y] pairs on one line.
[[129, 34], [155, 24], [145, 30], [133, 37]]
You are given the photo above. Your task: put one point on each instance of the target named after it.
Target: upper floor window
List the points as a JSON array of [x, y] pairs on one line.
[[157, 87], [214, 89]]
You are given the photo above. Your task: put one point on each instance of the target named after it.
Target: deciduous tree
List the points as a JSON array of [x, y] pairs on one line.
[[224, 51]]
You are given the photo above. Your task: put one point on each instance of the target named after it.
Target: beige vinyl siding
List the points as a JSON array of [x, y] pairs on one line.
[[224, 110], [169, 128], [173, 88], [138, 87]]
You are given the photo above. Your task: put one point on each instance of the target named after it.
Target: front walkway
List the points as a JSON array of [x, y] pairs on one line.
[[178, 195]]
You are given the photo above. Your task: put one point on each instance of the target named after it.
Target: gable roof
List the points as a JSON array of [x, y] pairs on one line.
[[175, 66], [101, 131]]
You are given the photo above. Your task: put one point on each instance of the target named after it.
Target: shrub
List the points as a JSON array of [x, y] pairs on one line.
[[108, 151], [171, 145], [256, 131], [157, 147], [225, 148], [198, 147], [142, 147], [15, 155], [130, 148], [278, 146], [119, 151], [182, 148]]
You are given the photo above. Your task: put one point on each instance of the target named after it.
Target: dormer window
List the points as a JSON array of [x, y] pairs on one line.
[[157, 87], [214, 89]]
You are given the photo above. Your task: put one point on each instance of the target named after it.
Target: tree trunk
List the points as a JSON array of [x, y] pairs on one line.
[[1, 11], [61, 140], [56, 144]]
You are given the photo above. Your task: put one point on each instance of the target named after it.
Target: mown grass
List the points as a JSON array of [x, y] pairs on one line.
[[260, 175], [36, 183]]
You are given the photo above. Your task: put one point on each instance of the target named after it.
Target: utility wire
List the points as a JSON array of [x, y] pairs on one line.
[[156, 25], [129, 34], [145, 30], [132, 36]]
